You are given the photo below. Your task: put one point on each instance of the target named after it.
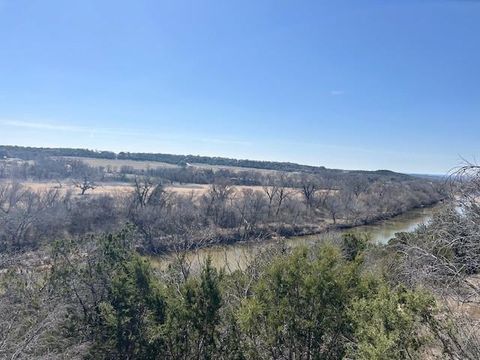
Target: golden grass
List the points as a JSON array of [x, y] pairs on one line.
[[117, 164], [67, 185], [115, 188], [235, 168], [142, 165]]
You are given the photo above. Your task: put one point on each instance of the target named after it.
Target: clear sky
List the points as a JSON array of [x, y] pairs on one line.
[[360, 84]]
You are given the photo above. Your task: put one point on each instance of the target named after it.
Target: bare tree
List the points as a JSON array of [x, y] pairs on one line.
[[251, 206], [143, 188], [271, 192], [309, 187], [218, 195], [3, 169], [333, 206], [10, 195], [85, 184], [358, 185], [283, 193], [23, 214], [59, 184], [444, 256]]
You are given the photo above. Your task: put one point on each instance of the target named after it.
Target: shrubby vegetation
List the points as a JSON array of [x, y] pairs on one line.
[[444, 257], [99, 299]]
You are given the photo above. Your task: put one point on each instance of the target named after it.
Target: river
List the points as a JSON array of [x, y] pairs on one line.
[[237, 256]]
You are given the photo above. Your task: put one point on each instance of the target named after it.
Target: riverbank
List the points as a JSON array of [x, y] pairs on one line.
[[287, 231], [238, 255]]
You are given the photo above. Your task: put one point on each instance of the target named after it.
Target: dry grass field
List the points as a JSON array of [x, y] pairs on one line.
[[115, 164], [116, 188], [67, 185], [235, 168]]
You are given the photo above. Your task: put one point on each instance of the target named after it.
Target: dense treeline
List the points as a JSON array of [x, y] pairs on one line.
[[196, 159], [98, 299], [31, 153], [58, 168]]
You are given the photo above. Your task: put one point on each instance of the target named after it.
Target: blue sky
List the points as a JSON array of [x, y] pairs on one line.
[[360, 84]]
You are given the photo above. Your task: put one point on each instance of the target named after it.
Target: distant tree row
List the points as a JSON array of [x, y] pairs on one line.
[[184, 160], [57, 168], [31, 153]]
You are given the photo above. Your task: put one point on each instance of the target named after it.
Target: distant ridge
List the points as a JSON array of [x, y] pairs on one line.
[[31, 153]]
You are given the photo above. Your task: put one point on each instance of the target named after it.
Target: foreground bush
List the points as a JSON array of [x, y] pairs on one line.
[[308, 304]]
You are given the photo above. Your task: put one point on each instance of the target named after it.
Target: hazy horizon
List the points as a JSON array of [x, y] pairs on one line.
[[376, 85]]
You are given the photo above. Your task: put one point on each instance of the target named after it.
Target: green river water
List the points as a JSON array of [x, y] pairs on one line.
[[238, 255]]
